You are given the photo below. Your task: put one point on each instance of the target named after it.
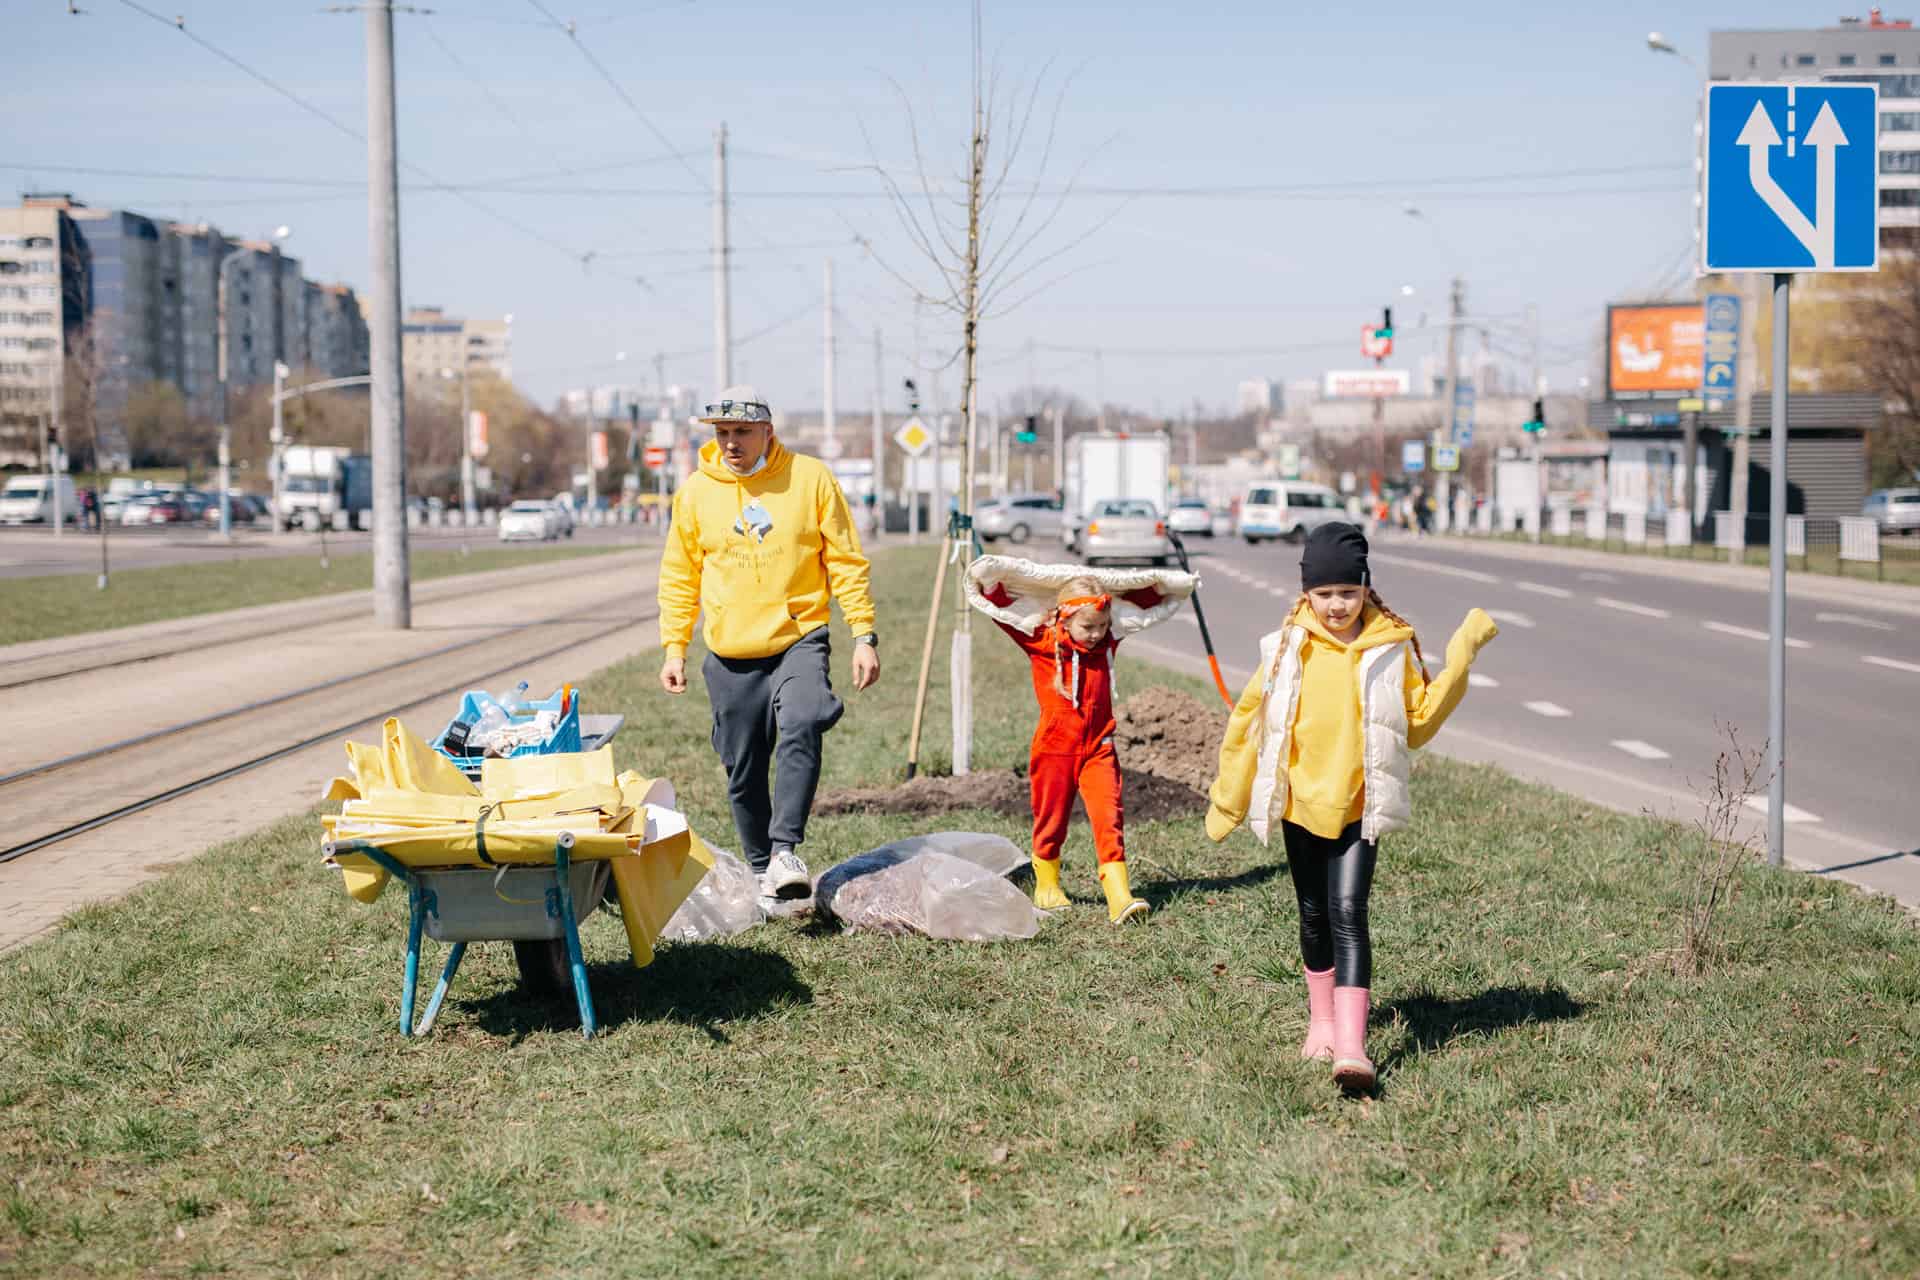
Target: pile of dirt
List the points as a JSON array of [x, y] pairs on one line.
[[1170, 735], [1147, 797]]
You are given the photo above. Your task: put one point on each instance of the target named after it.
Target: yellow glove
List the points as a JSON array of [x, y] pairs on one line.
[[1220, 823], [1471, 637]]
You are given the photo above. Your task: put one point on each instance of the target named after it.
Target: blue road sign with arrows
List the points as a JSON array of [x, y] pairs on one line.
[[1791, 178]]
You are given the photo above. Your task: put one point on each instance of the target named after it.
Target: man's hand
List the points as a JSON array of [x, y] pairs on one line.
[[866, 665], [673, 675]]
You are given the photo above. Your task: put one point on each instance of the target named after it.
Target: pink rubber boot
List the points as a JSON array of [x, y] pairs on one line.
[[1352, 1069], [1319, 1042]]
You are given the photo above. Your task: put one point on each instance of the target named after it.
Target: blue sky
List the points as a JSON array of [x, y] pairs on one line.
[[1470, 112]]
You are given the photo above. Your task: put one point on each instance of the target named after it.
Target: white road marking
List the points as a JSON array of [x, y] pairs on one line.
[[1854, 620], [1551, 710], [1759, 805], [1748, 633], [1477, 681], [1627, 606], [1644, 750], [1893, 663], [1428, 566], [1511, 618], [1542, 589], [1598, 577]]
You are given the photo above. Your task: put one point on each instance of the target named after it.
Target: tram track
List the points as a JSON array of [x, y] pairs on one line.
[[72, 774], [194, 640]]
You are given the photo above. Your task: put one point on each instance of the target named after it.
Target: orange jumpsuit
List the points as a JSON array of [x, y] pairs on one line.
[[1073, 743]]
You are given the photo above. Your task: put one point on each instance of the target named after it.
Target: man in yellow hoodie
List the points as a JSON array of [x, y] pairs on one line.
[[761, 542]]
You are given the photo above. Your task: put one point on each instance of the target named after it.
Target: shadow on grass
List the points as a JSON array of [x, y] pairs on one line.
[[697, 984], [1433, 1022], [1160, 892]]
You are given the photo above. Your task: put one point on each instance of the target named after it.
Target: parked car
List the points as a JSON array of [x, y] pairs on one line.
[[1018, 517], [246, 508], [1191, 516], [528, 521], [1125, 529], [1894, 510], [154, 508], [29, 500], [1287, 509]]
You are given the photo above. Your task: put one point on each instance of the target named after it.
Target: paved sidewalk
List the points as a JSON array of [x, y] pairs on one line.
[[1829, 588]]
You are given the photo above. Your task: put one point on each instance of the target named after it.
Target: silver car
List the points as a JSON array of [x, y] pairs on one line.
[[1191, 516], [1125, 529], [1894, 510], [528, 521], [1018, 517]]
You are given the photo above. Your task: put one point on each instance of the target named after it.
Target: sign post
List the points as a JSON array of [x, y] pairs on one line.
[[1755, 217]]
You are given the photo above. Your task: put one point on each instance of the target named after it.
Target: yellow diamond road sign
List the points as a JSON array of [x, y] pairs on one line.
[[913, 437]]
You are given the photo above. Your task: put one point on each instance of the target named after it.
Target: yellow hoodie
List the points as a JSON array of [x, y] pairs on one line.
[[1326, 789], [760, 556]]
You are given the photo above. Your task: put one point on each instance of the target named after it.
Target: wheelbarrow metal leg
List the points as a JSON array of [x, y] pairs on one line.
[[440, 989], [417, 908], [564, 880]]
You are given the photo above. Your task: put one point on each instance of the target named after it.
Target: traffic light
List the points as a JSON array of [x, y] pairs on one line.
[[1538, 422], [1031, 432], [1386, 323], [913, 395]]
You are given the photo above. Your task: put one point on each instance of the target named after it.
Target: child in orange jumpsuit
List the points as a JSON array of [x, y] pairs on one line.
[[1072, 658]]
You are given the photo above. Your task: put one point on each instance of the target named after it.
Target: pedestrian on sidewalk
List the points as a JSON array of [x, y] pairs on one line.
[[761, 540], [1320, 745]]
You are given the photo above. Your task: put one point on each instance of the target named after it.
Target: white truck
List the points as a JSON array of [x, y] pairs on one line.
[[1103, 467], [320, 483]]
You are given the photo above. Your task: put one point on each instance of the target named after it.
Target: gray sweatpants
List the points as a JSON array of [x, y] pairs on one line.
[[772, 711]]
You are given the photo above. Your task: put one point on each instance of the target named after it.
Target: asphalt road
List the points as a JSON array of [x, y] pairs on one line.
[[1621, 684], [32, 551]]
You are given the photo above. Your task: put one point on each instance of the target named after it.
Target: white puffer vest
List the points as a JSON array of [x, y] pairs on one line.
[[1383, 711]]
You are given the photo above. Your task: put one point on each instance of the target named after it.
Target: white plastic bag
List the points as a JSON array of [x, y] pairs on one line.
[[725, 902], [948, 885]]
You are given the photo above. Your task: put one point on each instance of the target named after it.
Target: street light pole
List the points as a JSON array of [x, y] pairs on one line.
[[392, 572]]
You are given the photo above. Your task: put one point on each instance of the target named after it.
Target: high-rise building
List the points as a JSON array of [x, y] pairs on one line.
[[1871, 49], [1256, 395], [149, 301], [44, 286], [432, 340]]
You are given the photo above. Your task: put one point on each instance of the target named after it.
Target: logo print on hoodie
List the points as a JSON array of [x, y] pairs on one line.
[[754, 517]]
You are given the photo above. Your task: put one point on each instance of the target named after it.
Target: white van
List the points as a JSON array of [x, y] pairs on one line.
[[1286, 509], [29, 500]]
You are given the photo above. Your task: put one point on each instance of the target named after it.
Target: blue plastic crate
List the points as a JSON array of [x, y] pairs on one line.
[[565, 736]]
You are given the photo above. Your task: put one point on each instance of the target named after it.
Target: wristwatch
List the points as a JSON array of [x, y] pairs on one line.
[[871, 640]]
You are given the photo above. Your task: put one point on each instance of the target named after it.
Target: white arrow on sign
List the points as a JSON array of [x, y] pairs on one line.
[[1759, 137]]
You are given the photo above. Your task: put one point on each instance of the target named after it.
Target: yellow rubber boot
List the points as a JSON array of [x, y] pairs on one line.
[[1047, 894], [1121, 904]]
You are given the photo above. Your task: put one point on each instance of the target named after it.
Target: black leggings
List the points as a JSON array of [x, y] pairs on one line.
[[1332, 879]]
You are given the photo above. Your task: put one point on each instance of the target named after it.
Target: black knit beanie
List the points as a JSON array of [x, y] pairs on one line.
[[1336, 555]]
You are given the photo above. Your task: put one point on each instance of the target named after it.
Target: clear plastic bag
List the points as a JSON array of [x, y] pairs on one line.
[[725, 902], [948, 885]]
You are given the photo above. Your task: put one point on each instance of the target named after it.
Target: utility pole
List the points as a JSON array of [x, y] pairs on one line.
[[830, 440], [1059, 455], [1539, 468], [722, 268], [1099, 392], [392, 573], [879, 520], [1456, 308], [467, 439], [1746, 382]]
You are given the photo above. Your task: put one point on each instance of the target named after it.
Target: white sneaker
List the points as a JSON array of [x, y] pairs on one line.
[[786, 876]]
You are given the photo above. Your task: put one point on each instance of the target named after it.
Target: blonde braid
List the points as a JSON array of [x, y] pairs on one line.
[[1381, 605]]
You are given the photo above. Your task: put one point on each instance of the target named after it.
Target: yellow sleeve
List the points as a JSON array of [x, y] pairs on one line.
[[1232, 788], [847, 570], [679, 591], [1430, 702]]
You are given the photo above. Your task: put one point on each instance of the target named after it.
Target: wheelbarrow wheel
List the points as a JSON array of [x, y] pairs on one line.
[[544, 969]]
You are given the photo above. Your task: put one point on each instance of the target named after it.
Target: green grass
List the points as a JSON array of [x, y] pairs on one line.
[[1899, 557], [205, 1077], [71, 603]]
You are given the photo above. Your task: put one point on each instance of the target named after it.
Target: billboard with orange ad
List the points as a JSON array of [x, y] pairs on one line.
[[1655, 350]]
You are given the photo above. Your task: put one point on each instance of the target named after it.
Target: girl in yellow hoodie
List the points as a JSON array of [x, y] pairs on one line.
[[1320, 745]]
